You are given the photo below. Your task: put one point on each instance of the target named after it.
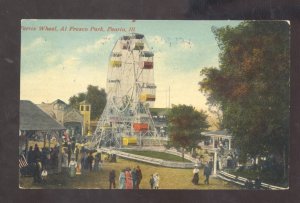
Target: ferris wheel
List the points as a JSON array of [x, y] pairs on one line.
[[130, 92]]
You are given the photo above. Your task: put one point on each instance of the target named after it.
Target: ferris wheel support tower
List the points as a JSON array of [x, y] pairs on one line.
[[130, 92]]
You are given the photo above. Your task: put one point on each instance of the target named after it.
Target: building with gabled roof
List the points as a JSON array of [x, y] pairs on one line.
[[34, 121], [33, 118], [69, 117]]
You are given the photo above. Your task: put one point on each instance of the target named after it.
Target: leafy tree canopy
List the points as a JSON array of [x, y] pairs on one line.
[[186, 125], [94, 96], [251, 85]]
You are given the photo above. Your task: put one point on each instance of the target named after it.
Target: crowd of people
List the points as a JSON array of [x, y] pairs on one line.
[[88, 161], [47, 157], [39, 162], [131, 179], [74, 159], [128, 178]]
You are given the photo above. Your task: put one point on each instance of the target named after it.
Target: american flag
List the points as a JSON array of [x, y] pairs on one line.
[[22, 162]]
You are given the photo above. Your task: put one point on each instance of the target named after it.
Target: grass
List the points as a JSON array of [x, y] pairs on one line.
[[158, 155], [169, 178]]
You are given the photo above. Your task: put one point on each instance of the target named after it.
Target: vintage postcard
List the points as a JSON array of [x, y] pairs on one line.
[[154, 104]]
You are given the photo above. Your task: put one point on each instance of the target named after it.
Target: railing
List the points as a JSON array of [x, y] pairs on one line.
[[186, 156], [155, 161], [241, 181], [169, 151]]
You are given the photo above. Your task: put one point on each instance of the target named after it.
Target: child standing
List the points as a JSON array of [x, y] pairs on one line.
[[151, 181], [112, 182], [44, 176]]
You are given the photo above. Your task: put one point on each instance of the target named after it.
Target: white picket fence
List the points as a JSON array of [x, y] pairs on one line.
[[154, 161], [241, 181]]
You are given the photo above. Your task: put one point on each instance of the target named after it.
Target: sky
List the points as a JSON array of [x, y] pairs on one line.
[[63, 60]]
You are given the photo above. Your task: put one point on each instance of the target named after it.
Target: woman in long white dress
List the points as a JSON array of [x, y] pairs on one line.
[[64, 161], [156, 181], [72, 167], [122, 180], [196, 175]]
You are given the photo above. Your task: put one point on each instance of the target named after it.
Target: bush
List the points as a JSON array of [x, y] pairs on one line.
[[168, 145]]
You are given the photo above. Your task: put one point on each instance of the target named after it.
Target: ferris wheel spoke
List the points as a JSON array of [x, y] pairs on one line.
[[128, 78]]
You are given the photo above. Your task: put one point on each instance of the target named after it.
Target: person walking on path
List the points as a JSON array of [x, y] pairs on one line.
[[112, 181], [151, 181], [196, 175], [156, 181], [36, 153], [69, 151], [30, 156], [257, 183], [134, 178], [129, 184], [44, 158], [37, 172], [90, 160], [122, 180], [30, 160], [139, 177], [76, 151], [96, 163], [207, 172]]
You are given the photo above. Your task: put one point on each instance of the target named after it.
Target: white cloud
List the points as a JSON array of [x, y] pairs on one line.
[[51, 59], [71, 62], [67, 74], [62, 81], [186, 45], [172, 45], [38, 41], [33, 45], [96, 45], [70, 75], [157, 40]]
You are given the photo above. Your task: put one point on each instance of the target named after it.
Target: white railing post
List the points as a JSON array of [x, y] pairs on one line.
[[215, 163]]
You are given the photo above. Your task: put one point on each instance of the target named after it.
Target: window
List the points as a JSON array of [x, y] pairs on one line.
[[87, 108], [81, 108]]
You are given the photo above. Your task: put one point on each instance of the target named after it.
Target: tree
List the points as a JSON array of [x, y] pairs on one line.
[[97, 99], [94, 96], [185, 126], [251, 86], [75, 100]]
